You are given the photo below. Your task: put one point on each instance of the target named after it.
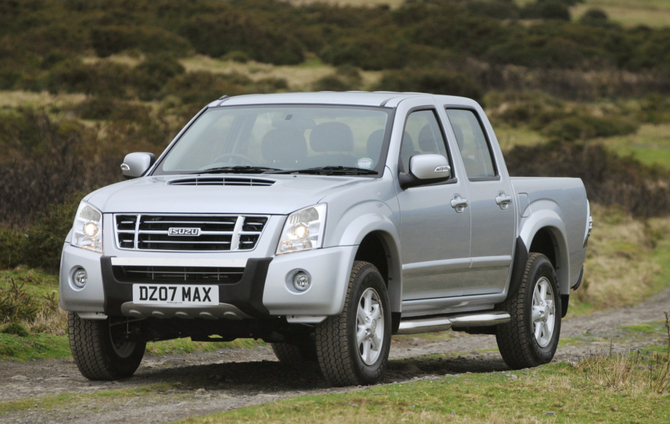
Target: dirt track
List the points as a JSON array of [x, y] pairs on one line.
[[169, 388]]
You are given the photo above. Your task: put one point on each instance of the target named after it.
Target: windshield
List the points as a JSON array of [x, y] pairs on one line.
[[282, 139]]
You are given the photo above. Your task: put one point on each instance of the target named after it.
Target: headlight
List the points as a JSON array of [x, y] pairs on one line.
[[87, 228], [303, 230]]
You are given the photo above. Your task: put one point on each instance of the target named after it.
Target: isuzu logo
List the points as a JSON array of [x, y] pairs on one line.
[[184, 232]]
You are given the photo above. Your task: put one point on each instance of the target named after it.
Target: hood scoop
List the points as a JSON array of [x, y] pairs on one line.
[[221, 181]]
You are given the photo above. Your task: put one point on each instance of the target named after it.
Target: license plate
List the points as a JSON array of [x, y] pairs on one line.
[[175, 294]]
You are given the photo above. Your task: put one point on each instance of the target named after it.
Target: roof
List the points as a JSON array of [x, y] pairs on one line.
[[353, 98]]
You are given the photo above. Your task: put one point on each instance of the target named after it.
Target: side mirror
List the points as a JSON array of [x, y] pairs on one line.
[[137, 164], [425, 169]]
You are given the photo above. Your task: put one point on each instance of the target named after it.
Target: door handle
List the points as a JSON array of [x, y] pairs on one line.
[[459, 203], [503, 200]]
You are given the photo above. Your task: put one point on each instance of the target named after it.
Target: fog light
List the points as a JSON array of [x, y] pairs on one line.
[[301, 280], [79, 277]]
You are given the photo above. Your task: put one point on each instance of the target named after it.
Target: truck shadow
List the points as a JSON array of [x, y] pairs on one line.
[[270, 377]]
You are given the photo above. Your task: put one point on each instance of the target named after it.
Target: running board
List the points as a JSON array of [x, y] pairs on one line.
[[429, 325]]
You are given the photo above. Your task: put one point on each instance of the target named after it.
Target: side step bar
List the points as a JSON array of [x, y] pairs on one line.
[[428, 325]]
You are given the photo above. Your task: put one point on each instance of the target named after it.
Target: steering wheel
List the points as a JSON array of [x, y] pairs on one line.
[[222, 158]]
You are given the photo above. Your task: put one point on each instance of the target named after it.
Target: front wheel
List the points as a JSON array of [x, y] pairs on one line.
[[353, 347], [531, 337], [100, 350]]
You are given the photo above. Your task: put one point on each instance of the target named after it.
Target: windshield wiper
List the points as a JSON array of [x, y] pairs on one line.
[[328, 170], [237, 170]]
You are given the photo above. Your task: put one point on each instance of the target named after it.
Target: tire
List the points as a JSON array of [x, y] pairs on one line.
[[528, 340], [295, 353], [96, 354], [353, 347]]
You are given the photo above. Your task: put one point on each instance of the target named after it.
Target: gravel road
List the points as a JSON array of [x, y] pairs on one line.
[[173, 387]]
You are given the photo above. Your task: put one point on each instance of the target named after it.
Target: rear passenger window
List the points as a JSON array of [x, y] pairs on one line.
[[422, 136], [472, 143]]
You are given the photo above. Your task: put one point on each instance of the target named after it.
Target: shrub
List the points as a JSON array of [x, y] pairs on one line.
[[569, 129], [609, 179], [45, 161], [203, 87], [16, 304], [231, 30], [236, 56], [16, 329], [45, 237], [11, 245], [102, 78], [547, 9], [583, 127], [115, 39], [367, 51], [594, 16], [151, 75], [430, 81], [330, 83]]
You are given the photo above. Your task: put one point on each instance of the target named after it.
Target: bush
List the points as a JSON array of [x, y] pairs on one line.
[[367, 51], [233, 30], [16, 304], [45, 237], [609, 179], [569, 129], [16, 329], [151, 75], [547, 9], [430, 81], [595, 17], [330, 83], [114, 39], [102, 78], [203, 87], [583, 127], [11, 245], [236, 56]]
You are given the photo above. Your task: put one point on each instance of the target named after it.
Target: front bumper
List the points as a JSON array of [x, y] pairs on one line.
[[264, 289]]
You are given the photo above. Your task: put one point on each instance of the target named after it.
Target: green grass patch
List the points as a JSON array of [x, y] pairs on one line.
[[552, 393], [35, 282], [647, 327], [188, 346], [651, 13], [34, 346], [92, 401], [650, 144]]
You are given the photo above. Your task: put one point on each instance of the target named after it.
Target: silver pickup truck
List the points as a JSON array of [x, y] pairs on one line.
[[323, 223]]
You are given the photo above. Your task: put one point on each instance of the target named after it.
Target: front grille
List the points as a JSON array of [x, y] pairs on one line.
[[188, 232], [177, 274]]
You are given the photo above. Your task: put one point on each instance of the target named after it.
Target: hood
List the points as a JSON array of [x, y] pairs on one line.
[[235, 194]]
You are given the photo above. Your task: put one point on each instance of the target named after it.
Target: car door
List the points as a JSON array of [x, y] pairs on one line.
[[435, 220], [490, 202]]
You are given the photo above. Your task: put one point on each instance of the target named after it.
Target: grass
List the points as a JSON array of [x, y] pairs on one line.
[[558, 393], [34, 346], [97, 401], [650, 144], [355, 3], [627, 261], [651, 13], [299, 78], [26, 99]]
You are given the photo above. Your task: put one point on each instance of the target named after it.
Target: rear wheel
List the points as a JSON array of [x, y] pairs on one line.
[[531, 337], [100, 349], [294, 353], [353, 347]]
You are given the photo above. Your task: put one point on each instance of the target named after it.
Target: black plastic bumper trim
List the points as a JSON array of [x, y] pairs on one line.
[[246, 295]]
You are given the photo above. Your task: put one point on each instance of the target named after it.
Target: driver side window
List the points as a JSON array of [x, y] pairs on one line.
[[422, 136]]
